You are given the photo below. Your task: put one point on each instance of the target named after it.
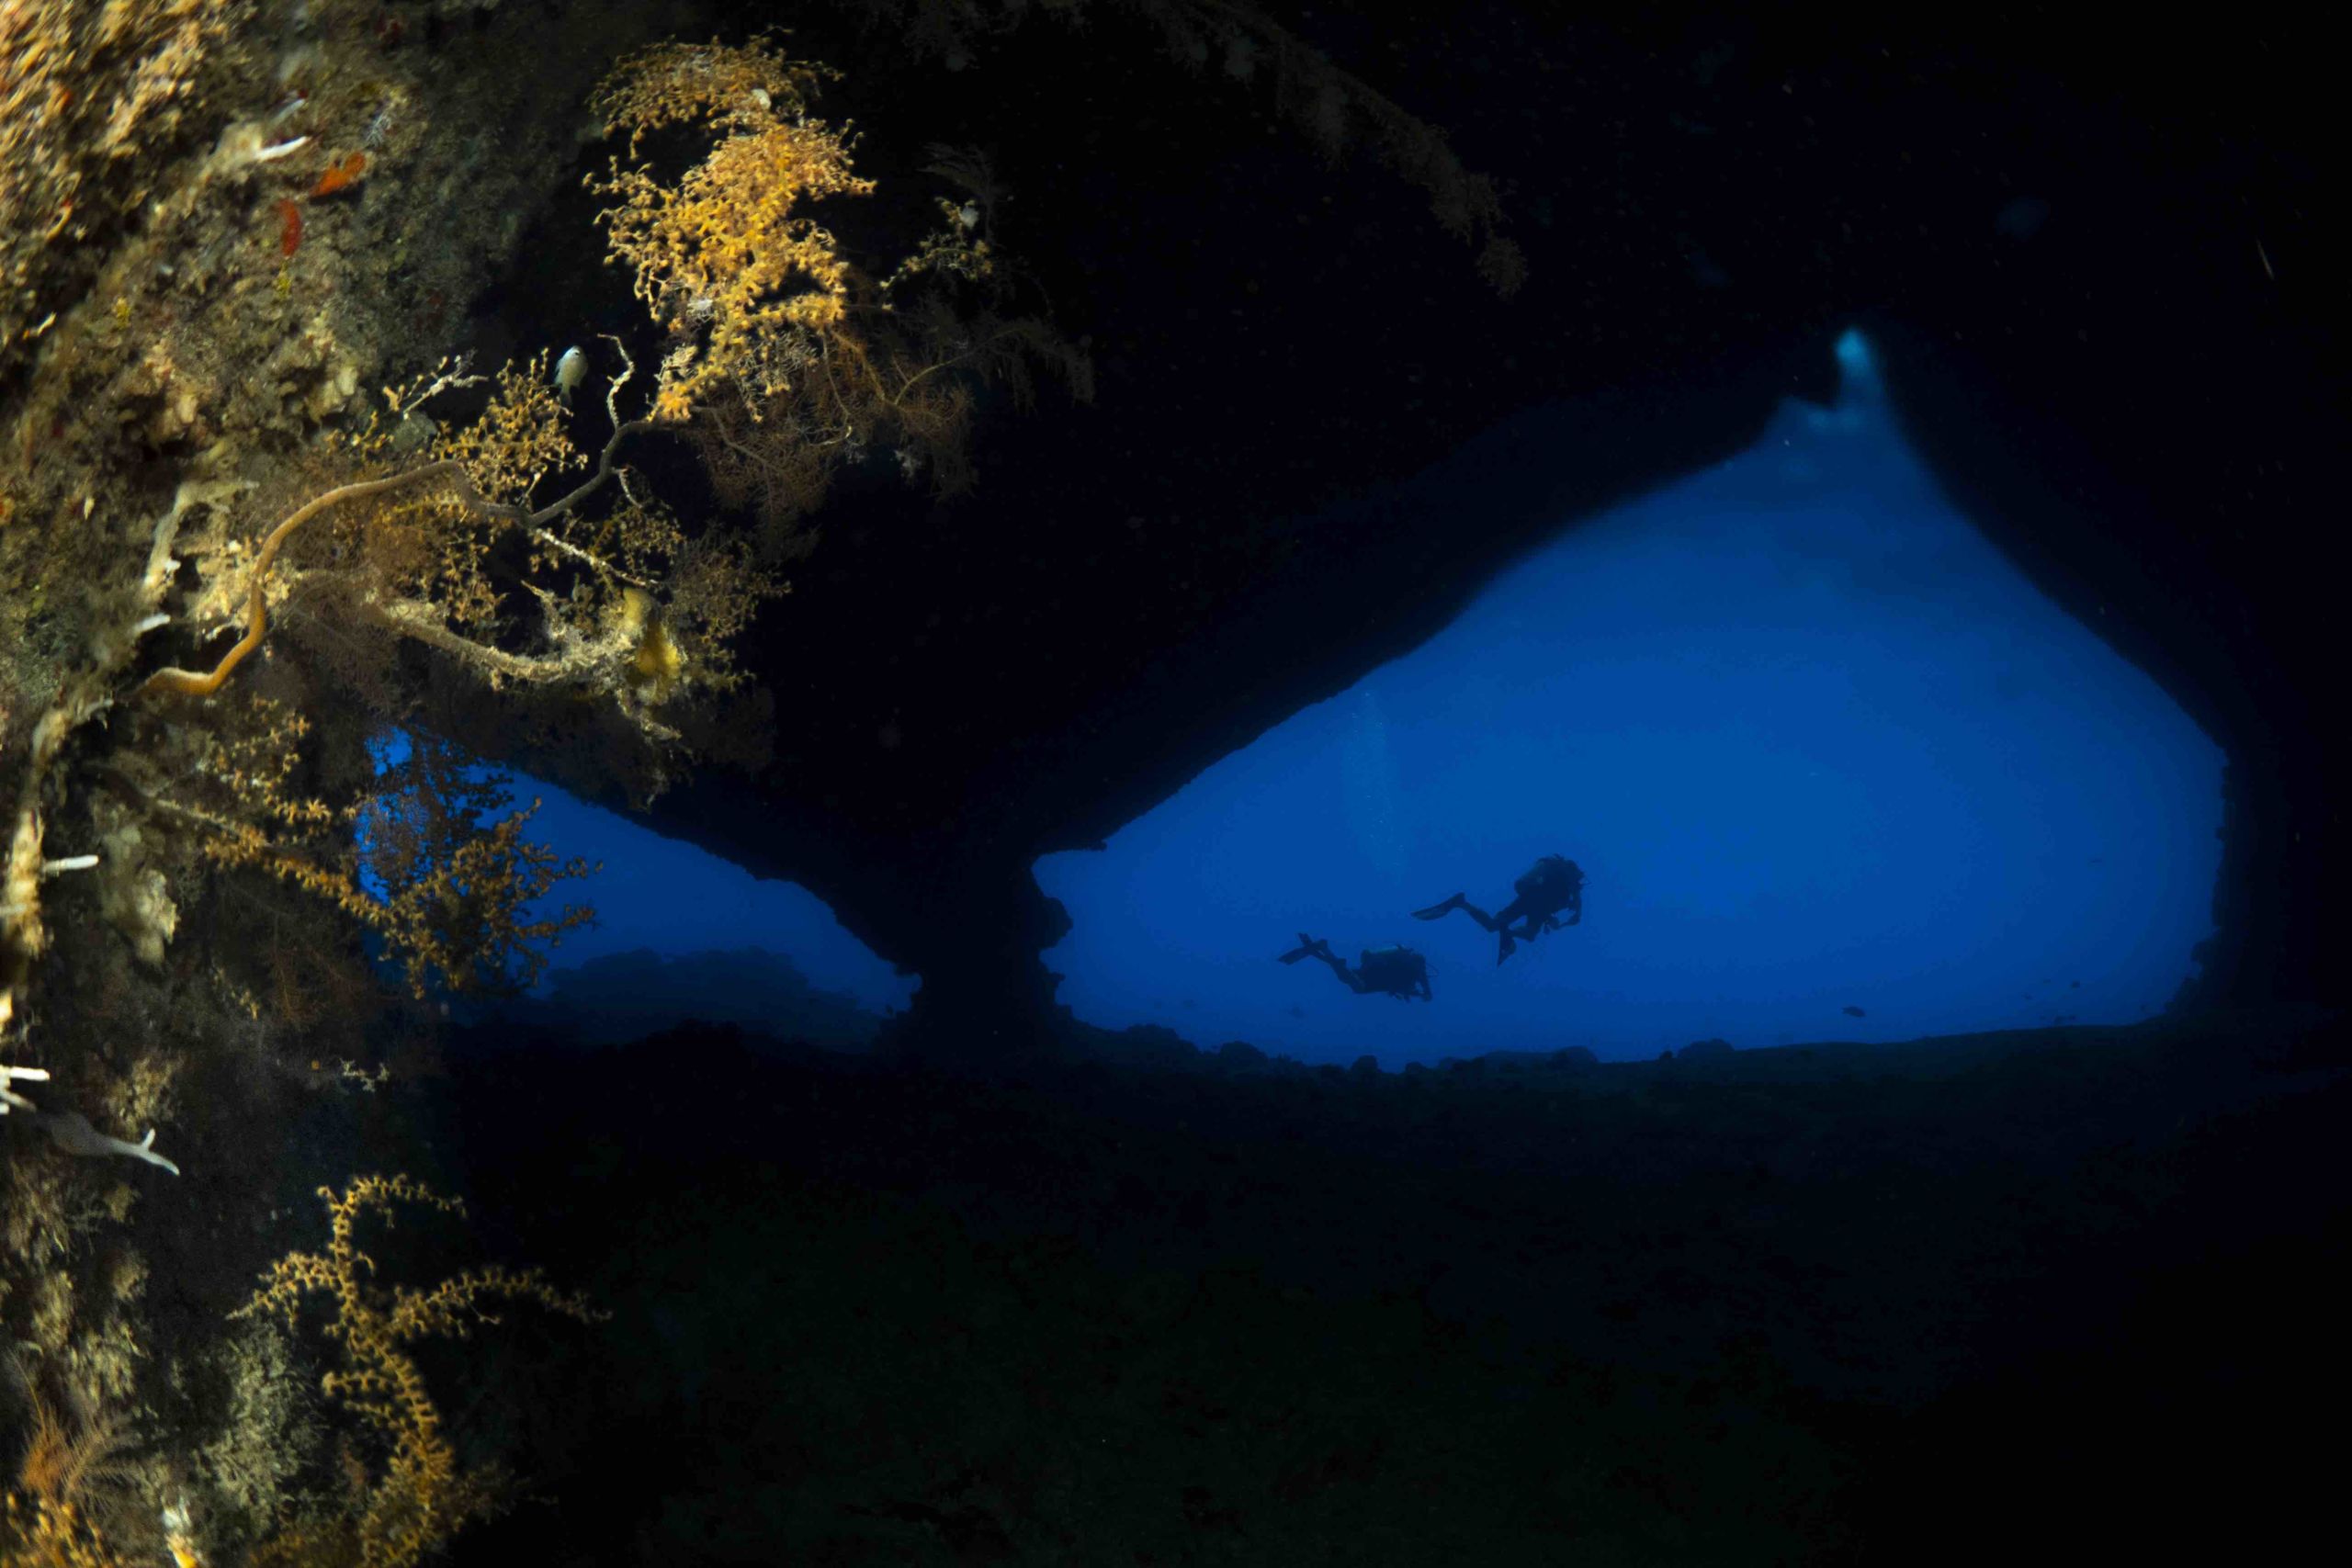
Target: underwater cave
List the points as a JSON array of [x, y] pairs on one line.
[[1833, 770], [1073, 627]]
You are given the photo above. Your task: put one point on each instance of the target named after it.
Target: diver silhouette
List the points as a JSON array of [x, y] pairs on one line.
[[1390, 971], [1552, 885]]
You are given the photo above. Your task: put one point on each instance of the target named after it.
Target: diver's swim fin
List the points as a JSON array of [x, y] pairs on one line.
[[1306, 949], [1435, 911], [1506, 949]]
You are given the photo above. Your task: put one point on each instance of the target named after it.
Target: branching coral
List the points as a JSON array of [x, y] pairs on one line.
[[409, 555], [786, 359], [450, 891], [454, 891], [423, 1495], [731, 250], [191, 683]]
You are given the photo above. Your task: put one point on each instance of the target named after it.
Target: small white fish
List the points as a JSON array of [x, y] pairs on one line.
[[570, 371]]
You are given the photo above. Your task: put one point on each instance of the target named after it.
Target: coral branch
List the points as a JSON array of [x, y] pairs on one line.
[[188, 682], [424, 1493]]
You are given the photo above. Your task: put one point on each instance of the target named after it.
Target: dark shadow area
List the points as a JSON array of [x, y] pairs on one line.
[[1832, 1304]]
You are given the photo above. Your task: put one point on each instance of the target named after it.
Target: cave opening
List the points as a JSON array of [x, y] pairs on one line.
[[1833, 769], [679, 935]]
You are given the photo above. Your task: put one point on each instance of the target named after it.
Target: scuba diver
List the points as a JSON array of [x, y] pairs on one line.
[[1390, 971], [1551, 884]]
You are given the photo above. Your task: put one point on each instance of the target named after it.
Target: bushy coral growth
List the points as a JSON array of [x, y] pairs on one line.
[[787, 358], [423, 1494], [729, 257], [455, 877]]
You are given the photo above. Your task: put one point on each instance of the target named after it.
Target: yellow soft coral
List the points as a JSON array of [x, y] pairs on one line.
[[731, 252]]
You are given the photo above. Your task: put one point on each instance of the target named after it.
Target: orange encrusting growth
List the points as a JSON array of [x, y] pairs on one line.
[[290, 238], [340, 174]]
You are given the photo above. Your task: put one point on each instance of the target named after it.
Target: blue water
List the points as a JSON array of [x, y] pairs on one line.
[[1813, 742]]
